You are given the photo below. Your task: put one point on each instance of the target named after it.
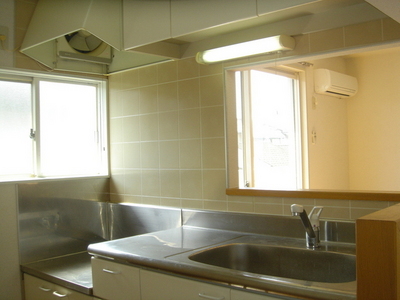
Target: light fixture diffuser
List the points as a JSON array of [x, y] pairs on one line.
[[254, 47]]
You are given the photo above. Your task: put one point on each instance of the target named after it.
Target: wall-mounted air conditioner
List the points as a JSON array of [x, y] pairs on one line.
[[334, 84]]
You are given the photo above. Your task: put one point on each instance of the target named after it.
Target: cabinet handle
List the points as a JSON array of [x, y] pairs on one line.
[[44, 289], [201, 295], [57, 294], [111, 271]]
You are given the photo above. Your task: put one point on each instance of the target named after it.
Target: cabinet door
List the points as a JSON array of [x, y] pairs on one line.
[[240, 295], [114, 281], [145, 22], [156, 286], [195, 15], [39, 289]]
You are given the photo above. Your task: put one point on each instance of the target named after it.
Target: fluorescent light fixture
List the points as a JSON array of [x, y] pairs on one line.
[[265, 45]]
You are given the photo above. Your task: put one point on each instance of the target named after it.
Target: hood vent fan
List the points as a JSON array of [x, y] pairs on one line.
[[88, 40]]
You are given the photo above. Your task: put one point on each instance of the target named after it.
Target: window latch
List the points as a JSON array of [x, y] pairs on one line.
[[32, 134]]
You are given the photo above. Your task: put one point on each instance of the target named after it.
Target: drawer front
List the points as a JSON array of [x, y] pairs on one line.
[[39, 289], [156, 286], [114, 281]]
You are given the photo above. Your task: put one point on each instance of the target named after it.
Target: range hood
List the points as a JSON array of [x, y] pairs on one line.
[[81, 36]]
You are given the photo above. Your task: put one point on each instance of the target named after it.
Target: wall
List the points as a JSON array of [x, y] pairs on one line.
[[328, 155], [10, 284], [167, 129], [374, 120]]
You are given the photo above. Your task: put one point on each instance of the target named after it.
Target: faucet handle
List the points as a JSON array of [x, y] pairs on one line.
[[314, 216], [296, 209]]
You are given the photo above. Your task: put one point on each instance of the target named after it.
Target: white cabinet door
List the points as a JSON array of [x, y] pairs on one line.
[[114, 281], [145, 22], [156, 286], [268, 6], [195, 15], [39, 289], [240, 295]]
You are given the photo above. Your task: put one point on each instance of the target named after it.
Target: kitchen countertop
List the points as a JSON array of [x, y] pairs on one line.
[[168, 250], [71, 271]]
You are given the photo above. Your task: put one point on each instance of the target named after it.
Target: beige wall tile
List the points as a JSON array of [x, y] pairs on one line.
[[169, 154], [170, 183], [214, 184], [190, 154], [188, 68], [148, 127], [151, 182], [268, 208], [133, 182], [130, 126], [167, 71], [212, 90], [243, 207], [149, 155], [148, 75], [189, 123], [148, 99], [215, 205], [172, 202], [117, 156], [213, 153], [191, 184], [116, 130], [168, 96], [130, 102], [212, 121], [116, 106], [188, 93], [192, 204], [168, 125], [129, 79], [131, 155], [211, 69]]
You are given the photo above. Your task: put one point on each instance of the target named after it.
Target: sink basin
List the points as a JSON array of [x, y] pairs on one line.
[[294, 263]]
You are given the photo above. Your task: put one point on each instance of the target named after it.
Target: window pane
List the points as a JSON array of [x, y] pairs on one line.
[[273, 131], [68, 129], [15, 124]]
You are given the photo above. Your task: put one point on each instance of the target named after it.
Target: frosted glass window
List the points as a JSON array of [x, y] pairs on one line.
[[15, 124], [68, 129]]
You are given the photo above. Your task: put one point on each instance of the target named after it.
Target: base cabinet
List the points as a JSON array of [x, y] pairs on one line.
[[39, 289], [157, 286], [114, 281], [240, 295]]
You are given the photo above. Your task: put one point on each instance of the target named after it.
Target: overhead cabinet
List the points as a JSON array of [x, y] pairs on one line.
[[146, 22], [192, 16]]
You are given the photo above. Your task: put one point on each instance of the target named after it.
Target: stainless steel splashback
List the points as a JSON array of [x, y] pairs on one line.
[[61, 217], [132, 219], [331, 230]]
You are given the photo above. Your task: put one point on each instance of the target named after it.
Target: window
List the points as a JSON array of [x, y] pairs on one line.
[[268, 129], [51, 126]]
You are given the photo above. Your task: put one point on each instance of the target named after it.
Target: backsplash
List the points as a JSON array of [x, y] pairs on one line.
[[167, 140]]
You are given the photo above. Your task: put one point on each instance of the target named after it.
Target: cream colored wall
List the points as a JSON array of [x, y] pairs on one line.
[[374, 121], [10, 277], [328, 156]]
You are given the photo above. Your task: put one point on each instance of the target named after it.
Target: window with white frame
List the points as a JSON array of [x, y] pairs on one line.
[[266, 129], [51, 126]]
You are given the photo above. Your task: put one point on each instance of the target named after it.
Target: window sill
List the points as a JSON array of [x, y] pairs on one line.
[[320, 194], [10, 179]]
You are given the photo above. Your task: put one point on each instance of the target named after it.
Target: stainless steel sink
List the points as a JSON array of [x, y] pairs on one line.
[[294, 263]]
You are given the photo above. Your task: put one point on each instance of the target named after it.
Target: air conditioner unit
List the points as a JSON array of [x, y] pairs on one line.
[[334, 84]]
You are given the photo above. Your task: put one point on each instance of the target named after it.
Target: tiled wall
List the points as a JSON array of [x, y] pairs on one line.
[[167, 133]]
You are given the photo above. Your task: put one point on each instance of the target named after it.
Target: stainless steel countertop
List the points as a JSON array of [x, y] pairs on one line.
[[71, 271], [168, 250]]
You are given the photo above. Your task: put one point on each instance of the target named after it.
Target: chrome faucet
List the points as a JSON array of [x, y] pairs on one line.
[[310, 222]]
